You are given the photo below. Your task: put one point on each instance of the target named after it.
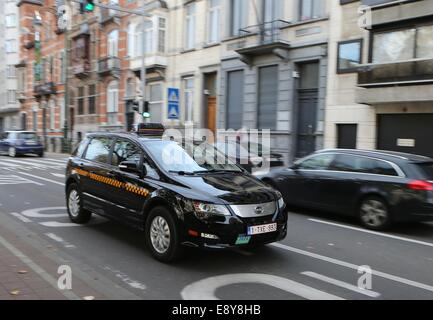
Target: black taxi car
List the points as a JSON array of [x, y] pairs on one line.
[[175, 192]]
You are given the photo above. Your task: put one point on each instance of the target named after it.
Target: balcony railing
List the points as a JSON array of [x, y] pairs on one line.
[[263, 38], [268, 32], [412, 72], [81, 69], [109, 65], [44, 89]]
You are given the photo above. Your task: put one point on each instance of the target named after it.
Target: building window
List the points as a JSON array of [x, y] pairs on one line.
[[272, 10], [161, 34], [62, 113], [239, 16], [80, 100], [155, 102], [113, 43], [131, 34], [188, 89], [214, 21], [11, 21], [401, 45], [11, 46], [130, 88], [112, 102], [235, 99], [12, 96], [11, 71], [190, 11], [311, 9], [92, 99], [268, 98], [148, 39], [349, 55]]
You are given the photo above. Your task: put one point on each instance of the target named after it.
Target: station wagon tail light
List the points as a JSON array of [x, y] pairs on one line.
[[421, 185]]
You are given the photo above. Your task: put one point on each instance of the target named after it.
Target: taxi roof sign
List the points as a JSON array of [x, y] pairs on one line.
[[149, 129]]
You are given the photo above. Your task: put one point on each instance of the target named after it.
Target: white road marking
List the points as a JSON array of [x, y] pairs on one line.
[[126, 279], [9, 164], [58, 175], [13, 161], [429, 244], [47, 161], [59, 240], [205, 289], [341, 284], [36, 212], [355, 267], [41, 178], [13, 180], [55, 224], [20, 217]]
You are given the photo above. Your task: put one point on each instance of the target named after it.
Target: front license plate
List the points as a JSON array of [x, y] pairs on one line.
[[266, 228]]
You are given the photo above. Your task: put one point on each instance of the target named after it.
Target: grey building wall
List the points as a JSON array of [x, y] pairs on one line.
[[283, 140]]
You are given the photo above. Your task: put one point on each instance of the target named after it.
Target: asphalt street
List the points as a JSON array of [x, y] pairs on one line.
[[319, 259]]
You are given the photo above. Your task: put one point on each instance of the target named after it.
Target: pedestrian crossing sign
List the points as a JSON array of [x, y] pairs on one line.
[[173, 103]]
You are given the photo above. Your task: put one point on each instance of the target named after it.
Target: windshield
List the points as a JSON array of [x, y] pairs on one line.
[[28, 136], [427, 169], [190, 159]]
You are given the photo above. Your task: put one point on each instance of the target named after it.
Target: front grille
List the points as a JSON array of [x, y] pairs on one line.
[[255, 210]]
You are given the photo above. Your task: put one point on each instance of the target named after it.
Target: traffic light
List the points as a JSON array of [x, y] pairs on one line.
[[87, 6], [136, 107], [146, 113]]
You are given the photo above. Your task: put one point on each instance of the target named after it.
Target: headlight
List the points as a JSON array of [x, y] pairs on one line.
[[205, 210], [281, 203]]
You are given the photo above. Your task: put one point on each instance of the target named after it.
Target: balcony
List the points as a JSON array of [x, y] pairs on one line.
[[108, 15], [404, 81], [263, 39], [109, 66], [44, 89], [81, 69], [393, 11]]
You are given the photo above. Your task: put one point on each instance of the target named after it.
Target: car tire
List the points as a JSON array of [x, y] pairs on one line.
[[41, 155], [162, 235], [12, 152], [74, 205], [374, 213]]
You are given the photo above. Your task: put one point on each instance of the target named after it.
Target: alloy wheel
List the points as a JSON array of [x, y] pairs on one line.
[[374, 213], [74, 203], [160, 234]]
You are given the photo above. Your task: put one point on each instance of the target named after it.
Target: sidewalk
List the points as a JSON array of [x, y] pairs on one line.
[[19, 282], [28, 273]]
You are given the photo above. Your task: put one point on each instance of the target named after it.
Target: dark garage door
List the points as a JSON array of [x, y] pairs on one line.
[[411, 133]]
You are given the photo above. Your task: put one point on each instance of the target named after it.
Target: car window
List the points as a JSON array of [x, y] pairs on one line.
[[28, 136], [12, 135], [350, 163], [319, 162], [79, 150], [150, 170], [98, 150], [125, 150], [427, 169]]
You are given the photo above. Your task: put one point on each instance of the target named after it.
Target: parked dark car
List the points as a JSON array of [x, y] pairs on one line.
[[15, 143], [250, 156], [379, 187], [139, 181]]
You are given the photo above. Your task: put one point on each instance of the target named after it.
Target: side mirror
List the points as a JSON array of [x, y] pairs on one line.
[[130, 167], [294, 167]]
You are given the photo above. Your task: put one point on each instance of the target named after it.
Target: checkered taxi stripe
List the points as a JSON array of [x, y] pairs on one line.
[[114, 183]]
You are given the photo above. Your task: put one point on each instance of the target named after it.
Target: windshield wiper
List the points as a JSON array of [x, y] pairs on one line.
[[215, 171], [182, 173]]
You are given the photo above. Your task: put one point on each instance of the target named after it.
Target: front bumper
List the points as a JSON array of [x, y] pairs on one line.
[[29, 149], [231, 232]]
